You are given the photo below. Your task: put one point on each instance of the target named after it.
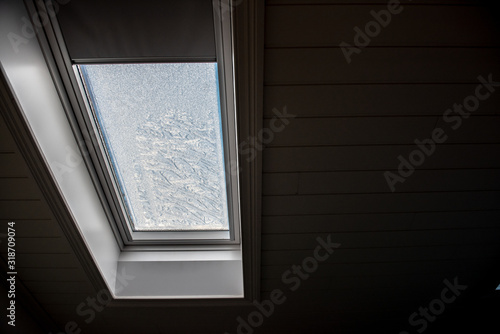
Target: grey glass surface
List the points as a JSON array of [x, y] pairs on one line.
[[162, 128]]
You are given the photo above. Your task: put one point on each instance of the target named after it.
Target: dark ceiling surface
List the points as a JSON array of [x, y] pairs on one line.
[[420, 256]]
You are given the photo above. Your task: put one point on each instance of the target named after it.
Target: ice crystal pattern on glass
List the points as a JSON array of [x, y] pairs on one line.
[[162, 128]]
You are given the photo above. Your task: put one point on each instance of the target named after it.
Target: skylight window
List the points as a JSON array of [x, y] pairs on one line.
[[149, 104], [158, 121], [161, 128]]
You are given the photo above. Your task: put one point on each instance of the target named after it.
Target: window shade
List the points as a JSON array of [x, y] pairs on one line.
[[94, 29]]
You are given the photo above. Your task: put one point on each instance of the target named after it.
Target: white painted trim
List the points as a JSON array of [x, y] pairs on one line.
[[186, 275], [198, 274], [34, 89], [223, 29]]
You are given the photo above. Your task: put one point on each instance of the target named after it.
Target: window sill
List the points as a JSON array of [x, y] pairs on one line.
[[180, 274]]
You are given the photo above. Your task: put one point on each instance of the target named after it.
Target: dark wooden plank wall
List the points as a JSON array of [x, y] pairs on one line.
[[324, 172], [45, 262]]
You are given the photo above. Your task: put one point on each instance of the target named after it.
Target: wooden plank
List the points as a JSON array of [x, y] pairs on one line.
[[334, 270], [362, 2], [380, 65], [409, 282], [307, 304], [380, 222], [381, 131], [298, 26], [24, 209], [342, 301], [351, 131], [387, 254], [24, 260], [342, 321], [13, 165], [474, 129], [63, 298], [150, 324], [41, 246], [60, 287], [386, 203], [18, 189], [7, 143], [117, 313], [280, 183], [375, 182], [51, 274], [37, 228], [101, 325], [380, 239], [371, 100], [62, 314], [332, 319], [342, 297], [337, 302], [352, 158]]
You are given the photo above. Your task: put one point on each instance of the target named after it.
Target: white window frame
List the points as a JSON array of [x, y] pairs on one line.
[[150, 271], [224, 58]]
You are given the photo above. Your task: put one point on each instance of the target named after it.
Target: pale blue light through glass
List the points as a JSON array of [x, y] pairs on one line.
[[162, 128]]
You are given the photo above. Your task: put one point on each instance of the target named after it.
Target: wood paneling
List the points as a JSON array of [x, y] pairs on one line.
[[387, 254], [328, 26], [371, 2], [52, 274], [41, 287], [350, 122], [37, 228], [372, 100], [42, 245], [313, 183], [380, 222], [381, 239], [384, 269], [373, 203], [57, 260], [24, 209], [376, 283], [7, 144], [380, 65], [18, 189], [382, 131], [72, 300], [12, 165], [363, 158]]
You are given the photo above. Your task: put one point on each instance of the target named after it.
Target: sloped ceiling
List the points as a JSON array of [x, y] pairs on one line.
[[324, 178]]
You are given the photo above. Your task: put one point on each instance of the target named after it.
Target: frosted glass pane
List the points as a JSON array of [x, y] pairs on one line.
[[162, 128]]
